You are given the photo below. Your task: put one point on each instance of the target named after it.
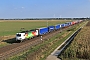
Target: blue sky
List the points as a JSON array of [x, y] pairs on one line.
[[44, 8]]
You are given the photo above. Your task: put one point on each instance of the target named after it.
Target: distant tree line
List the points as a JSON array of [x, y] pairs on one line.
[[49, 19]]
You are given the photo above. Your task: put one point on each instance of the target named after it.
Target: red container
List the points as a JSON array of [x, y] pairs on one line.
[[73, 23]]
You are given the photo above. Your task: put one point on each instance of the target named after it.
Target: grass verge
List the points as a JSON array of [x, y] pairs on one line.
[[79, 48]]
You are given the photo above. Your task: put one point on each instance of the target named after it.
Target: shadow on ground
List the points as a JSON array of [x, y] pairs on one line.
[[10, 41]]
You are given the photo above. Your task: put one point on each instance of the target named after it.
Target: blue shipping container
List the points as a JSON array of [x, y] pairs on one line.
[[43, 30], [57, 26], [62, 25], [67, 24], [51, 28]]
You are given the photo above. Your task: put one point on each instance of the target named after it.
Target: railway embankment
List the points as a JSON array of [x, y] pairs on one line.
[[61, 48], [79, 49], [55, 55]]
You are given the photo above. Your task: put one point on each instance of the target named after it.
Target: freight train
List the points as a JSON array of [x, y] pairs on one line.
[[21, 36]]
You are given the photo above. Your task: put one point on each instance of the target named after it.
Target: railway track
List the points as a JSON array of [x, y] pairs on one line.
[[13, 49]]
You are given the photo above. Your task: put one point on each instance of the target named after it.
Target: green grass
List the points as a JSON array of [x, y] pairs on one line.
[[12, 27]]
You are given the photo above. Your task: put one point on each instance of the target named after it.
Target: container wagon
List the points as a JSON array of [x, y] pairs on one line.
[[57, 27], [62, 25], [43, 30], [51, 28], [73, 23], [67, 24]]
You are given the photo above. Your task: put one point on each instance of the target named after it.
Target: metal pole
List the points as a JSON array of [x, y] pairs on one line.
[[47, 23]]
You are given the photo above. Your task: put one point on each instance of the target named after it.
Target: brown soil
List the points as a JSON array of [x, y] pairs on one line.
[[6, 40], [6, 37]]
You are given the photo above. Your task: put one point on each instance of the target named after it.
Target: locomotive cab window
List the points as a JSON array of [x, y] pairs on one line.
[[19, 35]]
